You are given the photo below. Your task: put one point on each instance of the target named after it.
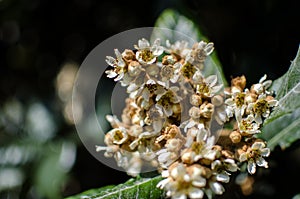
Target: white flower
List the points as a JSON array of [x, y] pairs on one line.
[[261, 107], [199, 53], [170, 73], [236, 105], [147, 54], [179, 48], [117, 135], [196, 129], [206, 86], [224, 165], [148, 89], [262, 86], [166, 99], [220, 114], [130, 161], [146, 153], [156, 118], [248, 125], [200, 150], [179, 175], [254, 156], [170, 153], [118, 64]]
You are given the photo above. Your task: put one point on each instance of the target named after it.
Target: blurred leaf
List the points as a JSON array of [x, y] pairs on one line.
[[182, 28], [51, 173], [296, 196], [283, 126], [142, 188]]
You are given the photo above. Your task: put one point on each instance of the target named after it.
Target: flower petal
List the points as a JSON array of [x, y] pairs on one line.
[[211, 80], [222, 178], [258, 145], [261, 162], [179, 196], [143, 43], [273, 103], [251, 167], [199, 182], [265, 152], [263, 78], [195, 193], [209, 48], [243, 157], [217, 188]]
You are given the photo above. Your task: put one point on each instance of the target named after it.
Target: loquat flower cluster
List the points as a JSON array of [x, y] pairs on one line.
[[171, 114]]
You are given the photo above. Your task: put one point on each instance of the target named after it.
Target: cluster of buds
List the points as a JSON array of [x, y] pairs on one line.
[[170, 118]]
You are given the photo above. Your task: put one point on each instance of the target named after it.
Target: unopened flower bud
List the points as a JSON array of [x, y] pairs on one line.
[[207, 110], [188, 157], [235, 137], [194, 112], [128, 55], [134, 68], [195, 100], [239, 82], [217, 100]]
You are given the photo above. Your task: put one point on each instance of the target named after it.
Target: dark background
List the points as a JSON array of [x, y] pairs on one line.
[[37, 37]]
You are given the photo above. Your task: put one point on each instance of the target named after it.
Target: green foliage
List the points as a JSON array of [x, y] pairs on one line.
[[296, 196], [142, 188], [283, 126], [181, 25]]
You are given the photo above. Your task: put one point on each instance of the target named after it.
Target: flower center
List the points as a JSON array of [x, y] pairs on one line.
[[188, 70], [203, 88], [197, 147], [245, 125], [240, 99], [151, 87], [261, 106], [166, 99], [118, 135], [147, 55]]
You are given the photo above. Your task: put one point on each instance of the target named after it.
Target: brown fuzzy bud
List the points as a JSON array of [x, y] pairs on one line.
[[239, 82], [195, 100], [235, 137], [207, 110], [134, 68], [187, 157], [206, 172], [194, 112], [227, 154], [128, 55], [217, 100]]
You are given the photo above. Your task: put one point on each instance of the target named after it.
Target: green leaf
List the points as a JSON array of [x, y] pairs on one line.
[[283, 126], [185, 29], [289, 80], [142, 188], [296, 196], [50, 175]]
